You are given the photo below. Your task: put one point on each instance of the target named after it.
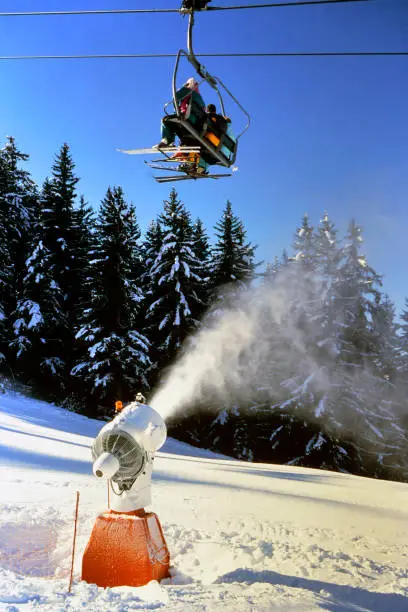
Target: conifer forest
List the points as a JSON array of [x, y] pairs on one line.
[[312, 360]]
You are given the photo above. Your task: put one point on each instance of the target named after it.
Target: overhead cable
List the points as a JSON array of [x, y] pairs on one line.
[[208, 9], [276, 4], [173, 55]]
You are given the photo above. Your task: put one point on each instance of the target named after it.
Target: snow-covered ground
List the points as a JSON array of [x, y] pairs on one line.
[[242, 536]]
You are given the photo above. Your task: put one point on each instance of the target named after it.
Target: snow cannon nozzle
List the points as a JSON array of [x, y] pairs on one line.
[[106, 466]]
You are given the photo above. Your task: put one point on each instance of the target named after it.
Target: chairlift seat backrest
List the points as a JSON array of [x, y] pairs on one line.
[[216, 132], [218, 123], [195, 113]]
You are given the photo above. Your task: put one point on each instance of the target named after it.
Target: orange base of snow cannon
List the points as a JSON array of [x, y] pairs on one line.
[[126, 549]]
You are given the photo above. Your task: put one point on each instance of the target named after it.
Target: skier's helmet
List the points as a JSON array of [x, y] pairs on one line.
[[191, 83]]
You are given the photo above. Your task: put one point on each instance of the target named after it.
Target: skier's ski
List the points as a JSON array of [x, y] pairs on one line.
[[189, 177], [161, 150]]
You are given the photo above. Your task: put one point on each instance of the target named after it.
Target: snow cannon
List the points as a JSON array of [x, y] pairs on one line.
[[127, 546], [123, 454]]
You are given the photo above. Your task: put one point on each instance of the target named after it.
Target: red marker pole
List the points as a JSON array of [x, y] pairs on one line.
[[74, 541]]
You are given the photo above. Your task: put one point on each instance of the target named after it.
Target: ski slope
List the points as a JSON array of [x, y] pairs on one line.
[[242, 536]]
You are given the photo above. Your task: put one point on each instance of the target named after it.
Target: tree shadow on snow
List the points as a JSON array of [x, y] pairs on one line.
[[34, 435], [160, 476], [271, 473], [14, 456], [48, 415], [335, 597], [267, 471]]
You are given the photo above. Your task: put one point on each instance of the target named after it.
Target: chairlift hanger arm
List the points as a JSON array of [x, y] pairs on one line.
[[199, 68]]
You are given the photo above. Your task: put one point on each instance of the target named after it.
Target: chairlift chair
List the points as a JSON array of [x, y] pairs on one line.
[[210, 141]]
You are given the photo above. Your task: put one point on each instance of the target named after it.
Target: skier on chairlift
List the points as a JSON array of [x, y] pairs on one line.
[[183, 95], [221, 124], [215, 118]]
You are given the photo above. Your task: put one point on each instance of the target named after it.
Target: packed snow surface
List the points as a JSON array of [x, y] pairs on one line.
[[242, 536]]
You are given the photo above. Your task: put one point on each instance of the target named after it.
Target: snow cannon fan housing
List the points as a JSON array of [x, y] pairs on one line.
[[123, 453]]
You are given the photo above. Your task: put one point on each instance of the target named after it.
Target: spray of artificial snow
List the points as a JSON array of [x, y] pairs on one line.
[[267, 349], [230, 356]]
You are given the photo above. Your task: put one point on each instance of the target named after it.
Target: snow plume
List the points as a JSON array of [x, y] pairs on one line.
[[253, 341], [292, 347]]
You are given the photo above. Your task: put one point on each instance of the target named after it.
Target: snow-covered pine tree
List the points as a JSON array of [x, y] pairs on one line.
[[40, 316], [57, 220], [37, 321], [360, 403], [357, 289], [117, 352], [176, 280], [278, 265], [392, 453], [201, 248], [18, 210], [232, 268], [232, 257], [152, 242], [331, 408], [298, 338], [295, 371], [304, 245], [355, 413], [84, 245], [329, 254], [403, 346], [201, 244], [402, 363], [304, 288], [386, 339], [5, 266], [151, 247], [271, 271]]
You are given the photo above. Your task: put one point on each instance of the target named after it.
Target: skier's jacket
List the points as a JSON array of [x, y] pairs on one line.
[[183, 96]]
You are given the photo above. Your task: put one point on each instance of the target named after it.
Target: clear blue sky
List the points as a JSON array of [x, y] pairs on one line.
[[327, 133]]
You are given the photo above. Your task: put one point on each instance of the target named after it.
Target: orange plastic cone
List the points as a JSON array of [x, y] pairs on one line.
[[126, 549]]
